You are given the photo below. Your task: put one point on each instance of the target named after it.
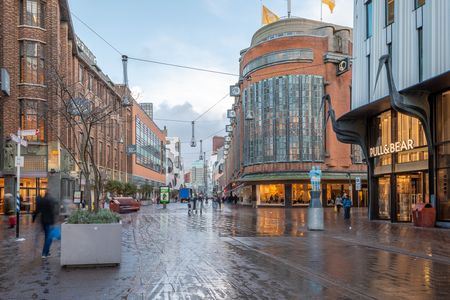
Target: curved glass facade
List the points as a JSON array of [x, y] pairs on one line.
[[278, 57], [284, 120]]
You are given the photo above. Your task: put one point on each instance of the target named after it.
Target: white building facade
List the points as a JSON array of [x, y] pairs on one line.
[[401, 105]]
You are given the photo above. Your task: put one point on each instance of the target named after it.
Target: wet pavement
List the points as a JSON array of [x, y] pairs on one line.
[[239, 253]]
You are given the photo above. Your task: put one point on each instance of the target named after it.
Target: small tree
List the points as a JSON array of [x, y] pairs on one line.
[[115, 187], [129, 189], [80, 117], [146, 191]]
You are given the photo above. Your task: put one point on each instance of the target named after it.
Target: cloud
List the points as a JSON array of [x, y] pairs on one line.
[[205, 128]]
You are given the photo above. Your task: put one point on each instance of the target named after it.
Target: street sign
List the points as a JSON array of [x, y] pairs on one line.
[[164, 193], [18, 140], [77, 197], [358, 183], [19, 161], [29, 132], [131, 149]]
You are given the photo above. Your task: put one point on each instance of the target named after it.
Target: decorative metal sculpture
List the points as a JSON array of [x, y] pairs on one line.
[[411, 103]]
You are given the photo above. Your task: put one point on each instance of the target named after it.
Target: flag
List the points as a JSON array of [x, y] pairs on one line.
[[330, 3], [268, 16]]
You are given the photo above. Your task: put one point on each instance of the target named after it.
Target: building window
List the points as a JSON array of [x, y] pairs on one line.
[[369, 70], [149, 152], [419, 3], [443, 155], [32, 116], [357, 154], [101, 154], [369, 19], [409, 128], [32, 13], [80, 74], [300, 194], [32, 62], [283, 119], [420, 52], [271, 194], [90, 83], [390, 6], [382, 136]]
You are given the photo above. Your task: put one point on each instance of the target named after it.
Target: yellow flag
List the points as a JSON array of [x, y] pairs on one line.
[[268, 16], [330, 3]]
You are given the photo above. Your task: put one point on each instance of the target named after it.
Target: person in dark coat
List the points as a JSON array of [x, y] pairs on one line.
[[347, 203], [45, 207]]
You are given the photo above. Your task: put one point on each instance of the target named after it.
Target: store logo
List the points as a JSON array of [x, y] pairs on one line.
[[391, 148]]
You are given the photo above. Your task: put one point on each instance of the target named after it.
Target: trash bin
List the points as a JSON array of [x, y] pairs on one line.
[[424, 215]]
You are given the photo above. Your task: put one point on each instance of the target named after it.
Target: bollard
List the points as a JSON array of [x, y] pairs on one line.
[[315, 212]]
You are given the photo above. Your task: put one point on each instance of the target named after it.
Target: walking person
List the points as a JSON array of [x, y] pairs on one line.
[[347, 203], [338, 203], [10, 209], [45, 207]]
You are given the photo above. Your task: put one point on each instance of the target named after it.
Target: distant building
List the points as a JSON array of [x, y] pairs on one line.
[[148, 109], [277, 132], [174, 166], [149, 162], [217, 142], [198, 175]]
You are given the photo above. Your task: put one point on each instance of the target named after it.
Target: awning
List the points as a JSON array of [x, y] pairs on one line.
[[296, 176]]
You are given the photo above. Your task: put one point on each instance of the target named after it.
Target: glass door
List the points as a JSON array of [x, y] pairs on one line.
[[411, 189], [384, 195]]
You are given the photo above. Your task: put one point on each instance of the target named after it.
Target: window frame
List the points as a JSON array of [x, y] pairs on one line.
[[26, 122], [369, 4], [26, 20], [27, 74], [418, 5], [386, 12]]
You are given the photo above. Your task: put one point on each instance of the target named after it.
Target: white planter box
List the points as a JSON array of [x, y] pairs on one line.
[[91, 244]]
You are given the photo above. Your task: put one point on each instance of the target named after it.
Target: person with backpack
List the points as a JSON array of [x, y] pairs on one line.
[[347, 203]]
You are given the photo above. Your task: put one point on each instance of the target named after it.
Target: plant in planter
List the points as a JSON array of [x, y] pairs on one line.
[[90, 238]]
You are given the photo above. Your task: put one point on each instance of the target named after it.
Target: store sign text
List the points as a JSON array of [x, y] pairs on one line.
[[391, 148]]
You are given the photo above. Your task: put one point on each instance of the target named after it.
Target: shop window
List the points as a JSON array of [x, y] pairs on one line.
[[442, 116], [443, 182], [32, 13], [32, 116], [383, 136], [300, 194], [32, 62], [384, 200], [409, 128], [271, 194]]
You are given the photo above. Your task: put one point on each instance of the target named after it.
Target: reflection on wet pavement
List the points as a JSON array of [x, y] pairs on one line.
[[240, 253]]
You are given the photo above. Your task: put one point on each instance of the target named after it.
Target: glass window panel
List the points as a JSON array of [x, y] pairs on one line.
[[271, 194]]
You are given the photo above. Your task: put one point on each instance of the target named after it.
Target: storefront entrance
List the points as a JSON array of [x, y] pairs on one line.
[[409, 189]]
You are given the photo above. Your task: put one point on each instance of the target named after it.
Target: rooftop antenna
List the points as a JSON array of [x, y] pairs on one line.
[[289, 8], [125, 100], [193, 143]]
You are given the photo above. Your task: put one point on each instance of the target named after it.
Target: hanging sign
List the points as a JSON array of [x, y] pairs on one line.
[[391, 148]]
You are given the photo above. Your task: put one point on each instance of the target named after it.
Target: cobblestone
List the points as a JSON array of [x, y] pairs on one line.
[[239, 253]]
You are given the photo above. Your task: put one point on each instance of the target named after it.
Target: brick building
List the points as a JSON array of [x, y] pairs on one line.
[[217, 143], [278, 132], [43, 56]]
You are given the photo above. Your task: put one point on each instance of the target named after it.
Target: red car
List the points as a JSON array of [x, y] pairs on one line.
[[124, 205]]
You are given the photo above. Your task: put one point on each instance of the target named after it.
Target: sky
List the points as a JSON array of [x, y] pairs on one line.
[[200, 33]]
